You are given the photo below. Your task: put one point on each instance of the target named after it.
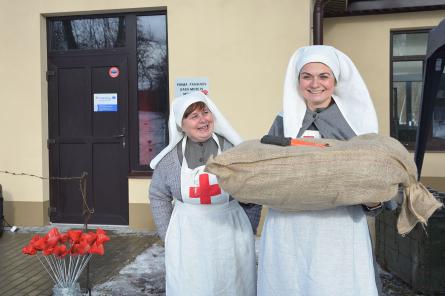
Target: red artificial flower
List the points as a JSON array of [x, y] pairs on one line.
[[52, 237], [60, 251], [38, 243], [35, 238], [51, 242], [64, 237], [89, 237], [100, 231], [47, 251], [74, 235], [73, 242], [29, 250], [97, 248], [53, 232], [102, 238], [81, 248]]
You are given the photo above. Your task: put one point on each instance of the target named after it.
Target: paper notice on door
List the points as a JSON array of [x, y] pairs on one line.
[[105, 102]]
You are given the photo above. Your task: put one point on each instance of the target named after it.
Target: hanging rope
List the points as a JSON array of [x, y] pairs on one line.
[[87, 211]]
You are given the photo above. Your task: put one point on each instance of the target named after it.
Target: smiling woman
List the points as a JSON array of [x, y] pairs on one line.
[[316, 85], [197, 122], [324, 97], [205, 221]]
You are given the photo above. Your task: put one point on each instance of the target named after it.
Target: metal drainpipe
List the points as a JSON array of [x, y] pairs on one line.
[[317, 21]]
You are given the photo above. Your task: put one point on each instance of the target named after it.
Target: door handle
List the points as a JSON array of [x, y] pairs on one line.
[[121, 136]]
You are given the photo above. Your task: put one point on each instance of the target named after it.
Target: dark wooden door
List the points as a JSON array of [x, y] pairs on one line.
[[88, 133]]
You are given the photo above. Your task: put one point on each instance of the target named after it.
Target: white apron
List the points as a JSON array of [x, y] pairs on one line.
[[316, 253], [209, 245]]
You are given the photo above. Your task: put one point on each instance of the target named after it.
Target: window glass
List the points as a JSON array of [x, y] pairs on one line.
[[152, 84], [408, 51], [407, 71], [409, 44], [91, 33], [407, 91], [406, 96], [439, 111]]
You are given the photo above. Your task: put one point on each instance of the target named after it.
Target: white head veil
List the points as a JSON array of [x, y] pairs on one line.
[[180, 104], [350, 93]]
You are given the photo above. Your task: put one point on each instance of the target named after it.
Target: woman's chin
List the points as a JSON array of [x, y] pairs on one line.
[[200, 137]]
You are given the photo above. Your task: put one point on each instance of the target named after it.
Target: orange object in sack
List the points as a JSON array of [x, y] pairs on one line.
[[296, 142]]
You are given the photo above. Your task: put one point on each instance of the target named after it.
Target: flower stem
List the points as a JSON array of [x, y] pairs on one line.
[[52, 265], [46, 269], [69, 270], [82, 266]]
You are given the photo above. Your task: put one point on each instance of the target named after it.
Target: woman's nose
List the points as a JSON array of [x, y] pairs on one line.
[[315, 82]]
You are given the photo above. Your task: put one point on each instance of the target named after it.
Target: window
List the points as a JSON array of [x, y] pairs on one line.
[[408, 51], [151, 49], [89, 33]]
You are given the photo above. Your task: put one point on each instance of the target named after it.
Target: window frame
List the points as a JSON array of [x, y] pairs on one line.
[[432, 144], [136, 169]]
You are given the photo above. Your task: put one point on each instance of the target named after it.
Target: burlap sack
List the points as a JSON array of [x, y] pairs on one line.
[[367, 168]]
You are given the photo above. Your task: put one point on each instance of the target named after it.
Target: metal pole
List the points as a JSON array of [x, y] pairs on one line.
[[317, 21], [86, 216]]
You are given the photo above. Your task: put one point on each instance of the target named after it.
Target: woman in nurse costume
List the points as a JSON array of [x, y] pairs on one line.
[[319, 253], [209, 237]]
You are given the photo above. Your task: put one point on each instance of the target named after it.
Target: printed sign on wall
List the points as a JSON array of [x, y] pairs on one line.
[[105, 102], [185, 85]]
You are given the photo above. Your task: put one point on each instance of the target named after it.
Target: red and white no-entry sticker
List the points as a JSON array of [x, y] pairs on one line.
[[113, 72]]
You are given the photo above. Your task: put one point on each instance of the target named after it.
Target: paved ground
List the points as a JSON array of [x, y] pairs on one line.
[[132, 265], [23, 275]]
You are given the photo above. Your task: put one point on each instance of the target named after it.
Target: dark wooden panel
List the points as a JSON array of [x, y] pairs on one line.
[[74, 102], [74, 159], [110, 183]]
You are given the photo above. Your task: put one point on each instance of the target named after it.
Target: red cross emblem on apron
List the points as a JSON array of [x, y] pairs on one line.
[[205, 191], [199, 187]]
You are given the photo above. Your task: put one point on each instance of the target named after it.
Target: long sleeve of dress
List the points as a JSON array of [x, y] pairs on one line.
[[160, 201]]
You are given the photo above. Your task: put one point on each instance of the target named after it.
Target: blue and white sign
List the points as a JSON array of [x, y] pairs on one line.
[[185, 85], [105, 102]]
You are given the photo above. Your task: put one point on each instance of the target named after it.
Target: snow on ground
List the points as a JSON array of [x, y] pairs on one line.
[[392, 286], [144, 276]]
